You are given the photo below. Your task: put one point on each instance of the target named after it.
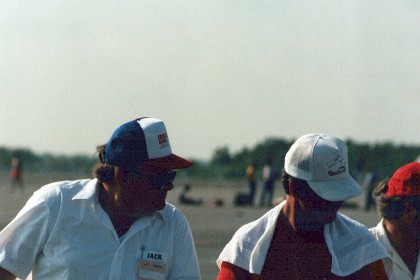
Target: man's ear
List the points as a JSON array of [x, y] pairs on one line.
[[292, 188]]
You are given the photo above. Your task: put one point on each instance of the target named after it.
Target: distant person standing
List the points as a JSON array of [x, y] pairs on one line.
[[252, 182], [399, 229], [16, 173], [368, 182], [267, 192]]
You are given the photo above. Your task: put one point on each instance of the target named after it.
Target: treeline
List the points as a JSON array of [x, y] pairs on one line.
[[384, 158], [32, 162]]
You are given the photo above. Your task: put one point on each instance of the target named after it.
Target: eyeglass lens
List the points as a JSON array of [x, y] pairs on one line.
[[162, 179]]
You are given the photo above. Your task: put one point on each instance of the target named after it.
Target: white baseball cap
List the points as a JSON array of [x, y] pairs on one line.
[[322, 161]]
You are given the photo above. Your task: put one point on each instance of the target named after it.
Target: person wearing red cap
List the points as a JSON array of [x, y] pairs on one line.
[[116, 226], [305, 237], [399, 229]]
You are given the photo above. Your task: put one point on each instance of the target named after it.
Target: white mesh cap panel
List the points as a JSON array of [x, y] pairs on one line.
[[157, 139]]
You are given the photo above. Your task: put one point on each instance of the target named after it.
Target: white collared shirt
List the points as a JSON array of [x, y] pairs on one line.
[[63, 233], [395, 267]]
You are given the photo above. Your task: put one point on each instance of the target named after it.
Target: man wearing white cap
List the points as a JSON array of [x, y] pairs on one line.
[[116, 226], [305, 237]]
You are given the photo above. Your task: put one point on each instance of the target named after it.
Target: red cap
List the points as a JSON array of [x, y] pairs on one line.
[[405, 181]]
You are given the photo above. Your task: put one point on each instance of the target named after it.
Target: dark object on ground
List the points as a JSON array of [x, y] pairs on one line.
[[242, 199], [185, 199]]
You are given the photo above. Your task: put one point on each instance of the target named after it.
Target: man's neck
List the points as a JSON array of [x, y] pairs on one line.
[[298, 220], [121, 224]]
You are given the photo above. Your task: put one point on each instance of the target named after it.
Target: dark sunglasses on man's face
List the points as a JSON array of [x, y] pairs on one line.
[[414, 201], [160, 180]]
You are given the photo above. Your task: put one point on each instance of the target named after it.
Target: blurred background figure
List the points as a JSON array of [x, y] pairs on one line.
[[16, 173], [247, 198], [185, 199], [252, 182], [369, 179], [399, 229], [269, 176]]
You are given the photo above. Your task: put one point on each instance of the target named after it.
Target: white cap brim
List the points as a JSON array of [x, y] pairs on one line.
[[327, 190]]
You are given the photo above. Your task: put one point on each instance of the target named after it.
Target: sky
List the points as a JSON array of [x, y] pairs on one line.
[[219, 73]]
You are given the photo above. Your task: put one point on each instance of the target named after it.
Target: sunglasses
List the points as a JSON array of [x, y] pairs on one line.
[[414, 201], [160, 180]]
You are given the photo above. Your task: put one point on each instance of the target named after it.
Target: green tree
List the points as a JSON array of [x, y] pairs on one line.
[[221, 156]]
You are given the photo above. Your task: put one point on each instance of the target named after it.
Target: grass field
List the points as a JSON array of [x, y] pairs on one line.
[[212, 227]]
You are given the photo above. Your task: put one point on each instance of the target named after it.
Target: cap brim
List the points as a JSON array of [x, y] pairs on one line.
[[336, 190], [169, 162]]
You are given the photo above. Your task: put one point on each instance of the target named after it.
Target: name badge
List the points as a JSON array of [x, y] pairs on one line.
[[152, 265]]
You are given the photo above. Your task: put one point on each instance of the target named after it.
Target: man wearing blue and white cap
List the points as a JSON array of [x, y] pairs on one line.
[[116, 226], [305, 237]]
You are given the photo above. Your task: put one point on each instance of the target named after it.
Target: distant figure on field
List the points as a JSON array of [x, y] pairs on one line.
[[185, 199], [269, 176], [252, 181], [368, 183], [16, 173], [399, 229]]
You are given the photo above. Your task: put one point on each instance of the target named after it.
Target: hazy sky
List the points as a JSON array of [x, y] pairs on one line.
[[219, 73]]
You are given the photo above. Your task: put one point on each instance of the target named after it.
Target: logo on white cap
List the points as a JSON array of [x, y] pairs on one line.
[[339, 160], [157, 140], [163, 140]]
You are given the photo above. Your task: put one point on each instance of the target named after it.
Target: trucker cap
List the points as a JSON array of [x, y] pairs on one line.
[[405, 181], [322, 161], [143, 141]]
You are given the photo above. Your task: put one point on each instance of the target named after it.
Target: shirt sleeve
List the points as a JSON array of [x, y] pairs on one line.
[[230, 271], [24, 237], [185, 262]]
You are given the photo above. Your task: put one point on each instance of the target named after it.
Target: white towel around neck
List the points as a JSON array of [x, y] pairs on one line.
[[350, 243]]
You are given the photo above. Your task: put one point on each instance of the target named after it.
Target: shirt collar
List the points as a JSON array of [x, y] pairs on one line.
[[393, 254], [89, 191], [383, 238]]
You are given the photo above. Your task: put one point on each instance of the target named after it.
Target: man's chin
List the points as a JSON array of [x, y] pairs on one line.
[[157, 206], [160, 206]]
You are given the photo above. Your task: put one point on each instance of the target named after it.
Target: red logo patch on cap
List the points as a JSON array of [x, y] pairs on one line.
[[163, 139]]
